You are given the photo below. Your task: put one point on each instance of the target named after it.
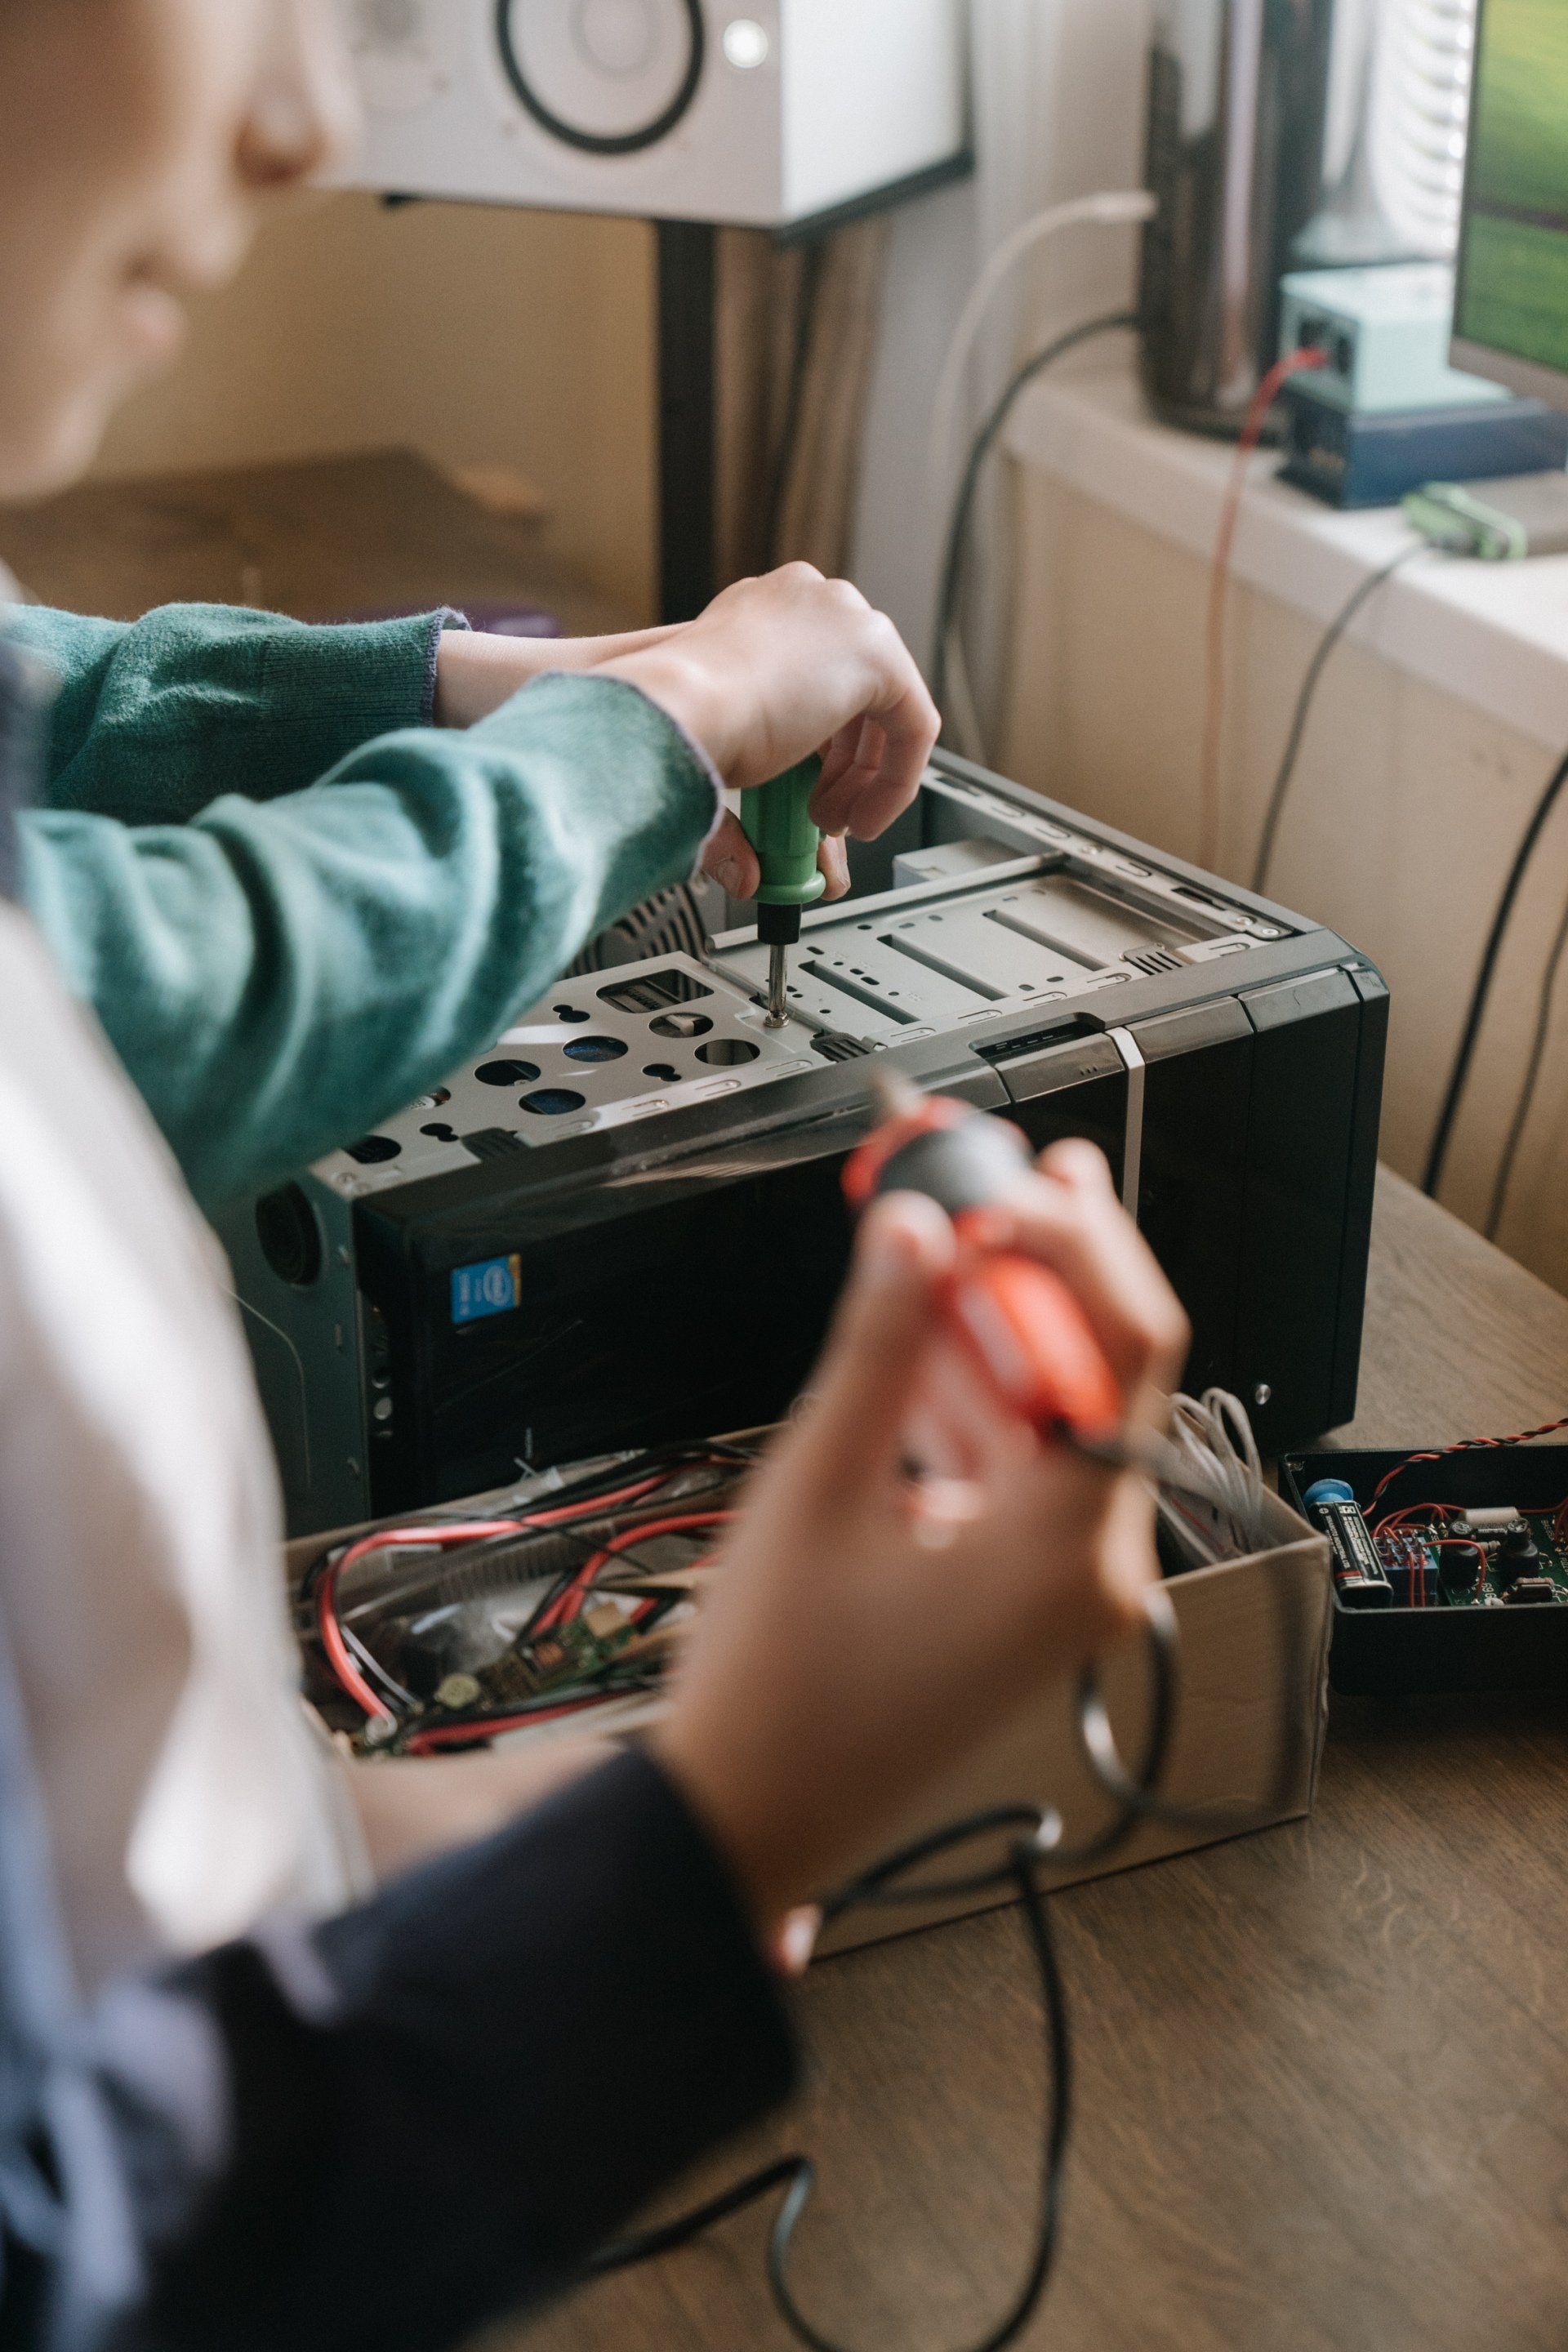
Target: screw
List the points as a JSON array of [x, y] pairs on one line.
[[1262, 1395]]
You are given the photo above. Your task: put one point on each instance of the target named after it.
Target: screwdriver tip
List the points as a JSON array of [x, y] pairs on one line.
[[778, 987]]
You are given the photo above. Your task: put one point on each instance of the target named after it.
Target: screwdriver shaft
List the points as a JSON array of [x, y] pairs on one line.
[[778, 987]]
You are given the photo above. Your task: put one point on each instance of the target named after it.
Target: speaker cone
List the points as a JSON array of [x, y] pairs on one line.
[[606, 76]]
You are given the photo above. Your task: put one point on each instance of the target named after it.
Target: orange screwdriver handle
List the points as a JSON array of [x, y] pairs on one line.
[[1023, 1326], [1015, 1320]]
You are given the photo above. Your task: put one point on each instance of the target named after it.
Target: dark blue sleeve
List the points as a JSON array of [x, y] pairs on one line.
[[423, 2116]]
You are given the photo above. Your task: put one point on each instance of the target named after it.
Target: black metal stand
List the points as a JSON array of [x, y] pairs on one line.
[[688, 418]]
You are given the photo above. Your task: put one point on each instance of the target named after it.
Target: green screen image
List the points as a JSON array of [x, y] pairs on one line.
[[1513, 294]]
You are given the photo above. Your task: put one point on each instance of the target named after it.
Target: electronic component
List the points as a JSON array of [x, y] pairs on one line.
[[623, 1220], [1350, 459], [1412, 1567], [1504, 523], [1384, 332], [1359, 1577], [1472, 1536], [1518, 1555], [447, 1632]]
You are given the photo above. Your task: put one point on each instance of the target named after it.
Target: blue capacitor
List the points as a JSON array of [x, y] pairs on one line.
[[1328, 1490]]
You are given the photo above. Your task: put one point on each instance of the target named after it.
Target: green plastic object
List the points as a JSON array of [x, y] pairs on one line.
[[777, 820]]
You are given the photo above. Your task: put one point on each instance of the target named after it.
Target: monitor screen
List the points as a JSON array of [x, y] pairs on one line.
[[1511, 320]]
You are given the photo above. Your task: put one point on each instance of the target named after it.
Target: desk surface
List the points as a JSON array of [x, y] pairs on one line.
[[316, 537], [1322, 2073]]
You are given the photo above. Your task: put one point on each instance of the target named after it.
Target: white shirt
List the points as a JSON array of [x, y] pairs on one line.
[[139, 1525]]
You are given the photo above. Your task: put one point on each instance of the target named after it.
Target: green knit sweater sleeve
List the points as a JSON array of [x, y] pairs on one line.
[[155, 717], [277, 976]]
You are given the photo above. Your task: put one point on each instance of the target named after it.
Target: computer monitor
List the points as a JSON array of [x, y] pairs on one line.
[[1510, 312]]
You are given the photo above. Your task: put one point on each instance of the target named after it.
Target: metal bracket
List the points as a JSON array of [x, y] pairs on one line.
[[1137, 1071]]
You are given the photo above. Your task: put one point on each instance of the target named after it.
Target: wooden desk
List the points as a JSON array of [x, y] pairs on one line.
[[1322, 2073], [317, 538]]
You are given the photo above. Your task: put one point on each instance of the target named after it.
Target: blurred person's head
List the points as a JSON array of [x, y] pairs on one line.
[[138, 141]]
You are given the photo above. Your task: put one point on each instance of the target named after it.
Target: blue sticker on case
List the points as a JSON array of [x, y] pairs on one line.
[[493, 1289]]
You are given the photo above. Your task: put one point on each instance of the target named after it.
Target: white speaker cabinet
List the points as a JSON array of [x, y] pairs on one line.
[[763, 113]]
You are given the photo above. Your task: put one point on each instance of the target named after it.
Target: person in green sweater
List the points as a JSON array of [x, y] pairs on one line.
[[301, 874]]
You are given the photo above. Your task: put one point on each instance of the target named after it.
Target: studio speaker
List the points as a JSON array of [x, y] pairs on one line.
[[766, 113]]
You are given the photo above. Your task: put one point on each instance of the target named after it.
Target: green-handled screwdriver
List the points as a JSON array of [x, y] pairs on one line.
[[777, 819]]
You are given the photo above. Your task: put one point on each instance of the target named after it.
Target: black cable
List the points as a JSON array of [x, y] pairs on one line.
[[1137, 1800], [1438, 1158], [955, 546], [1309, 684], [1532, 1080], [797, 2173]]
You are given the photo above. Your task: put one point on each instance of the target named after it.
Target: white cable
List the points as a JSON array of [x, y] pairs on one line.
[[1214, 1436], [1114, 209]]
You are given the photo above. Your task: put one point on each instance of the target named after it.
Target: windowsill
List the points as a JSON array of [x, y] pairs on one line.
[[1495, 635]]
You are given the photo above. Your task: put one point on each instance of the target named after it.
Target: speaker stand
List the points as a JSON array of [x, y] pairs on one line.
[[688, 418]]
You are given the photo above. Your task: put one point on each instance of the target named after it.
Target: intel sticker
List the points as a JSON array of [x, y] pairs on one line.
[[493, 1289]]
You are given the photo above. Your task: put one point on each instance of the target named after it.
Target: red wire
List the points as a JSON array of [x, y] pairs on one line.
[[456, 1735], [441, 1534], [444, 1534], [390, 1538], [569, 1604], [1263, 400], [1465, 1543], [1463, 1446]]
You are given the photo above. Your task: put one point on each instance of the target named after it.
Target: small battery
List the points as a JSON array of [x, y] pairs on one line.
[[1359, 1577]]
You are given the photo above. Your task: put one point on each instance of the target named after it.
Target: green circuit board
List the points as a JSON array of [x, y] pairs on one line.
[[1451, 1567]]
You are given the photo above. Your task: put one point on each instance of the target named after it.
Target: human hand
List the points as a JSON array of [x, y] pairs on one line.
[[476, 674], [781, 667], [863, 1632]]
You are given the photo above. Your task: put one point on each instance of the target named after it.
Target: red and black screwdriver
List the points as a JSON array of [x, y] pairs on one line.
[[1014, 1317]]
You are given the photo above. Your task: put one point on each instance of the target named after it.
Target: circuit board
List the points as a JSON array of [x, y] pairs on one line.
[[1441, 1563]]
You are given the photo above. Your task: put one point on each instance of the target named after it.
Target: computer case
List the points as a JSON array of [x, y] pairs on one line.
[[624, 1224]]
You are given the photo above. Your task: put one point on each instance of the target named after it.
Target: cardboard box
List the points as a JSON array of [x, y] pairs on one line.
[[1251, 1714]]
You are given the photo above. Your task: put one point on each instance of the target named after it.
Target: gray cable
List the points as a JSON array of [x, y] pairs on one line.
[[1308, 696], [1532, 1081]]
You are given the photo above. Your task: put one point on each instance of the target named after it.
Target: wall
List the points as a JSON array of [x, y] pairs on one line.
[[1405, 812], [473, 335], [1060, 105]]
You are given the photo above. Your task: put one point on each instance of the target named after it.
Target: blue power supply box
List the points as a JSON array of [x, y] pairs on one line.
[[1373, 460]]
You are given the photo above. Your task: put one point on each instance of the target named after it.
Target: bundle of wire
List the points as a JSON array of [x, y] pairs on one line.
[[585, 1544], [1213, 1498]]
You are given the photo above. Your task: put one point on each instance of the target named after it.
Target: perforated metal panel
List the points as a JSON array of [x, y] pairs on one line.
[[605, 1049]]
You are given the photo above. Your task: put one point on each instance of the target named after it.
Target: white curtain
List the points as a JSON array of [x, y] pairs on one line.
[[1058, 106]]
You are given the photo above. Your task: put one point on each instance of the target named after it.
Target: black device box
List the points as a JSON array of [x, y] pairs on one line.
[[1385, 1652], [625, 1225], [1351, 457]]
